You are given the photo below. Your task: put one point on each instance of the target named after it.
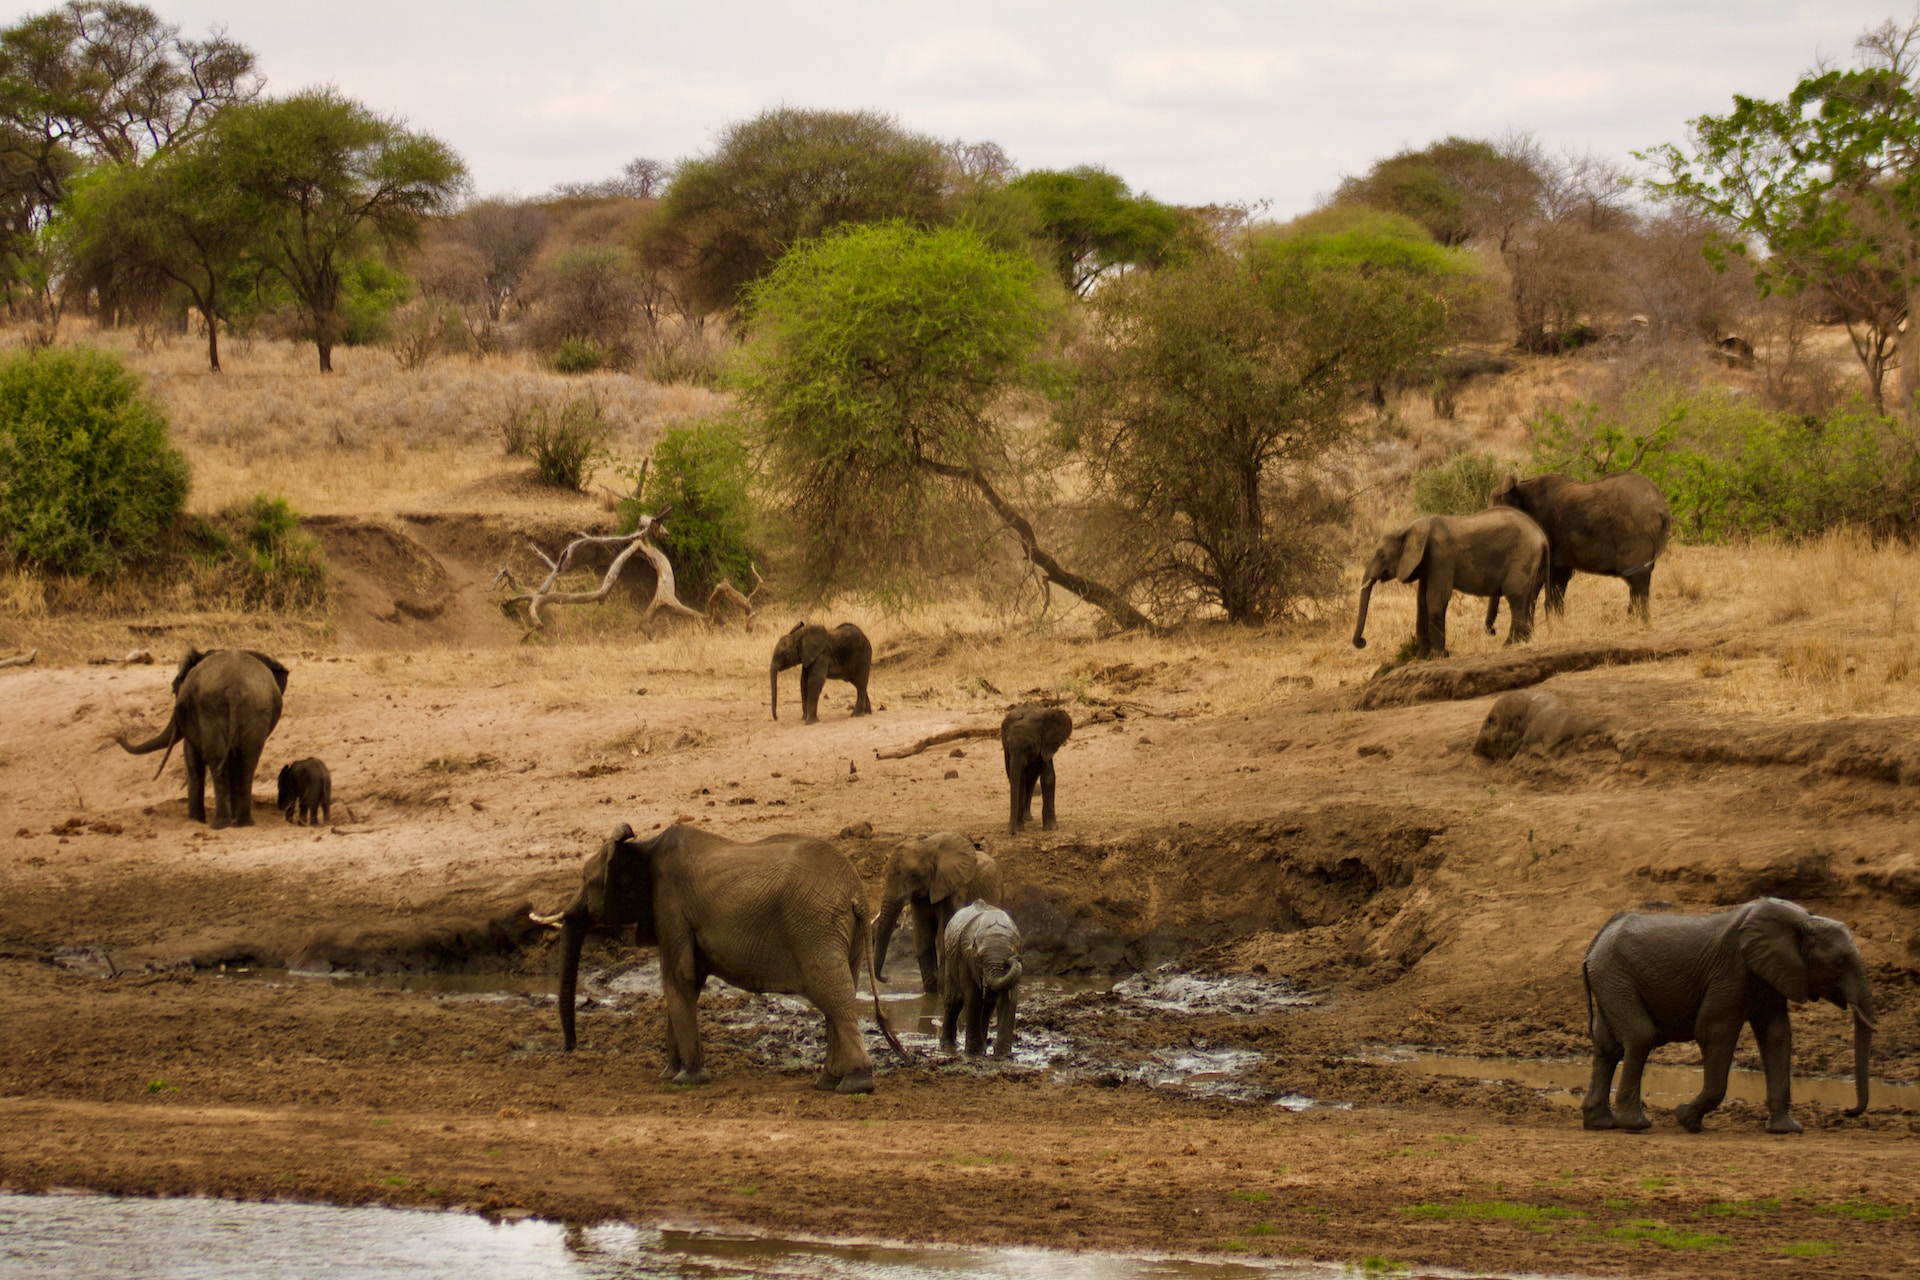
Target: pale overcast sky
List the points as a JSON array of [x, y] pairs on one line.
[[1191, 102]]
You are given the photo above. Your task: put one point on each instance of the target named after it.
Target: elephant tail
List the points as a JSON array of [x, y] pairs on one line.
[[863, 942]]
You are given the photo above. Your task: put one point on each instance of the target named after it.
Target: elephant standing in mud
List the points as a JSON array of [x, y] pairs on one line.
[[979, 978], [225, 703], [1494, 553], [843, 653], [1029, 737], [1616, 525], [1658, 979], [784, 914], [936, 875]]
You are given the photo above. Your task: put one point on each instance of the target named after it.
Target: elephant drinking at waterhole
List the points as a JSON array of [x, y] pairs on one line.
[[979, 978]]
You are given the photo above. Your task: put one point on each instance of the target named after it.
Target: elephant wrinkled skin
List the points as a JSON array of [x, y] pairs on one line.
[[979, 979], [1029, 737], [225, 703], [784, 914], [1495, 553], [1658, 979], [1616, 526], [936, 875], [843, 653]]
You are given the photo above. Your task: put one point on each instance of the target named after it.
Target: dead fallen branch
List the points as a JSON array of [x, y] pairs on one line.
[[20, 659], [643, 542], [1102, 716]]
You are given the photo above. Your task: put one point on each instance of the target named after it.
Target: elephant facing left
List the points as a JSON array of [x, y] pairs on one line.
[[935, 876], [225, 703]]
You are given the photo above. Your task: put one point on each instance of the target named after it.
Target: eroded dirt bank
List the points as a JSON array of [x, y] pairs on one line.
[[1419, 895]]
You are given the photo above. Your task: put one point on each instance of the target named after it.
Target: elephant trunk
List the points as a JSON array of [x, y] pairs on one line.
[[1360, 625], [883, 928], [773, 681], [1003, 977], [1860, 999], [573, 936]]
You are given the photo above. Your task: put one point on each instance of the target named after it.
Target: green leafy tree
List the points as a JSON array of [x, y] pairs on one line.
[[1462, 190], [88, 478], [329, 182], [1213, 387], [702, 475], [880, 357], [1095, 225], [780, 179], [1827, 180]]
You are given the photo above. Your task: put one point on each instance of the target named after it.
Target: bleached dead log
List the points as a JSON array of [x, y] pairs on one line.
[[20, 659], [642, 541], [1102, 716], [727, 591]]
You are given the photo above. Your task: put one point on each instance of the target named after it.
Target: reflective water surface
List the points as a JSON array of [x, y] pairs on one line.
[[89, 1237]]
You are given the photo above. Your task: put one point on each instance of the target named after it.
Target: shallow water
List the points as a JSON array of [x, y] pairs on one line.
[[90, 1237], [1565, 1080]]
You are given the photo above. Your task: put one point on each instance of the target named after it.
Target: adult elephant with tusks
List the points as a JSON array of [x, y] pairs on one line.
[[225, 703], [1494, 553], [784, 914], [843, 653], [1616, 526], [1657, 979]]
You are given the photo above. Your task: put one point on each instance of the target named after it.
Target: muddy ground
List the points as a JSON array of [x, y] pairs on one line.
[[1383, 885]]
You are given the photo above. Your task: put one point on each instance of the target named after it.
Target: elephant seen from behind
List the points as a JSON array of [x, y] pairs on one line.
[[225, 703], [306, 786], [843, 653], [1616, 525], [1658, 979], [1029, 736], [1497, 553], [783, 914], [935, 876], [979, 979]]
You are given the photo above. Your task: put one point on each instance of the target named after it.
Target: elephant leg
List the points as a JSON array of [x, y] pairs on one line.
[[1013, 794], [243, 762], [1422, 625], [1046, 793], [861, 707], [813, 680], [1716, 1057], [1635, 1031], [975, 1014], [1595, 1113], [223, 799], [1493, 616], [1003, 1029], [1775, 1038], [926, 939], [680, 985], [1557, 580], [196, 782], [1519, 618], [952, 1004], [829, 984], [1640, 595]]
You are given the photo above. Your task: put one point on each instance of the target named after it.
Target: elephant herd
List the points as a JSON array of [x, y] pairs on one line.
[[1536, 533]]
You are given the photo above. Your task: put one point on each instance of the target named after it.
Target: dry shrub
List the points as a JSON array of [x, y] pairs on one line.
[[1815, 660]]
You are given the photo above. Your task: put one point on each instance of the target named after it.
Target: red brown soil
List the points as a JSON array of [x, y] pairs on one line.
[[1430, 898]]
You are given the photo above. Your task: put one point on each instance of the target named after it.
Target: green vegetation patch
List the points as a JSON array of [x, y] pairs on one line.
[[1810, 1249], [1645, 1230], [1493, 1210], [1865, 1210], [1742, 1208]]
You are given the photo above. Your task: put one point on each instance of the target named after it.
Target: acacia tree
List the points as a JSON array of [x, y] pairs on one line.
[[1095, 225], [1212, 387], [1828, 180], [327, 181], [879, 356]]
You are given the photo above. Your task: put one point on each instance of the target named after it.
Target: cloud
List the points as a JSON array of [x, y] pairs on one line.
[[961, 63], [1202, 78]]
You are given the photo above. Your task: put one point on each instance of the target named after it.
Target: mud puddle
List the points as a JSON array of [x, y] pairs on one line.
[[1565, 1080], [90, 1237]]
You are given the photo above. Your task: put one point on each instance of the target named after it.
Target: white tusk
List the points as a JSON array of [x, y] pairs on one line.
[[553, 921]]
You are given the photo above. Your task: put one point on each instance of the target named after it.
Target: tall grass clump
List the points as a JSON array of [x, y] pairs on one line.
[[256, 552], [88, 478], [701, 474], [1731, 468], [1457, 487], [566, 438]]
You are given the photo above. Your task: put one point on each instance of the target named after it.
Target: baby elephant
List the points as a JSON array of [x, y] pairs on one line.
[[979, 977], [307, 785], [1028, 738]]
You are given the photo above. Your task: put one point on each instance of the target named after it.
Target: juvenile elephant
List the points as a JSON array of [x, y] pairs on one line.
[[1616, 525], [307, 786], [1494, 553], [783, 914], [1029, 736], [979, 978], [225, 703], [1657, 979], [937, 875], [840, 654]]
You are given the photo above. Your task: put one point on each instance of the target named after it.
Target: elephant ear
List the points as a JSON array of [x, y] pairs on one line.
[[188, 662], [952, 872], [1413, 549], [1770, 944], [279, 672], [813, 645]]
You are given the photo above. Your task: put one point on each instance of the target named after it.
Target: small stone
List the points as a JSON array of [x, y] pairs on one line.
[[957, 754], [951, 773]]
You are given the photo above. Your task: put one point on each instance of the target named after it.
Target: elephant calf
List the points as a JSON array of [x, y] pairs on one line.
[[1658, 979], [1029, 736], [1495, 553], [979, 978], [937, 876], [843, 653], [306, 785]]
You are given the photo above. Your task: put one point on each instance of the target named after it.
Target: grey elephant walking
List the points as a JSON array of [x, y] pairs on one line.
[[935, 876], [1658, 979], [307, 786], [1494, 553], [225, 703], [1616, 526], [843, 653], [979, 978], [783, 914], [1029, 736]]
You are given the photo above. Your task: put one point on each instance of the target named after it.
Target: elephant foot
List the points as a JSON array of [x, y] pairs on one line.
[[1689, 1116], [693, 1075], [1782, 1123], [1632, 1119], [1601, 1119], [1003, 1054], [243, 822], [1048, 824], [855, 1082], [826, 1081], [668, 1072], [950, 1046]]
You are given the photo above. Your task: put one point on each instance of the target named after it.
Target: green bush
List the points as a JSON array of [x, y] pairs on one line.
[[703, 472], [565, 438], [1459, 486], [88, 478], [1731, 468], [371, 290], [578, 355], [268, 560]]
